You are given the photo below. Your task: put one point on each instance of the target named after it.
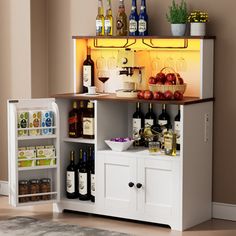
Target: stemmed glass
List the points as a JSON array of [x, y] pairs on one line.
[[103, 76]]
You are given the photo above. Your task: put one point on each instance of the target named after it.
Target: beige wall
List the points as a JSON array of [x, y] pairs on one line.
[[68, 17]]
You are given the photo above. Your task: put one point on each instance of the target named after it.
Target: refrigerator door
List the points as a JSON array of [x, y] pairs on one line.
[[33, 151]]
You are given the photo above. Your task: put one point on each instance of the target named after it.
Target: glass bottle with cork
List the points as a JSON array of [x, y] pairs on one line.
[[88, 122], [121, 20], [109, 20], [100, 20]]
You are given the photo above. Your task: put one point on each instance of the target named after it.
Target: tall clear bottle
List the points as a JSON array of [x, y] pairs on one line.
[[143, 20], [100, 20], [133, 19], [121, 20], [109, 20]]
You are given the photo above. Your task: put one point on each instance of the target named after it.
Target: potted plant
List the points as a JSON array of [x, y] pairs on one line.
[[178, 17], [198, 21]]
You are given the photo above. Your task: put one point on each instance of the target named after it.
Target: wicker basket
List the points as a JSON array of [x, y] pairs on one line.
[[163, 88]]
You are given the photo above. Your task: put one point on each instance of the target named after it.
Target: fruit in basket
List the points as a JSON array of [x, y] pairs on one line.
[[180, 80], [159, 83], [171, 77], [161, 77], [140, 94], [168, 83], [178, 95], [148, 95], [152, 80], [158, 96], [168, 95]]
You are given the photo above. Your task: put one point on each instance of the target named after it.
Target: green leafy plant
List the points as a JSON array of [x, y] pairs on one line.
[[198, 17], [178, 13]]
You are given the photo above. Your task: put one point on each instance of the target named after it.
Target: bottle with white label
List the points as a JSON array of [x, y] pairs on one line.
[[100, 20], [88, 122], [109, 20], [88, 71], [72, 178], [138, 125], [177, 129], [84, 183], [133, 20], [92, 177], [170, 142], [143, 20]]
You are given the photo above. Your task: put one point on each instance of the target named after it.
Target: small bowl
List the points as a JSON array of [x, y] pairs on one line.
[[119, 146]]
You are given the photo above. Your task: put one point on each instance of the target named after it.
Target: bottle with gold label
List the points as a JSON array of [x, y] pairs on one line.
[[170, 142], [100, 21], [88, 122], [121, 20], [109, 20]]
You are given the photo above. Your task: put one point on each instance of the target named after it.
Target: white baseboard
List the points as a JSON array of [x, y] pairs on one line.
[[224, 211], [4, 190]]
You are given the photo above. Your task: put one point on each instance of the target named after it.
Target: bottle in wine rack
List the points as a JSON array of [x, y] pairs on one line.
[[92, 177], [177, 127], [164, 118], [71, 178], [150, 117], [138, 125], [88, 122]]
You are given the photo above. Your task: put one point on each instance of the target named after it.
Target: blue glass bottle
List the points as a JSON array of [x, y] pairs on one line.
[[133, 20], [143, 20]]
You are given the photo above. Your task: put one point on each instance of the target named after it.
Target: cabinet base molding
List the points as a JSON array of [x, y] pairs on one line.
[[4, 189], [224, 211]]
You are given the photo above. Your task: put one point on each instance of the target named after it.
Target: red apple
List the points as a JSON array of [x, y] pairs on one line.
[[140, 94], [158, 96], [180, 80], [168, 83], [148, 95], [178, 95], [152, 80], [161, 77], [171, 77], [159, 82], [168, 94]]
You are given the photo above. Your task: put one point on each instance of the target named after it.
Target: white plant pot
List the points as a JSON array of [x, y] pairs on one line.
[[198, 29], [178, 29]]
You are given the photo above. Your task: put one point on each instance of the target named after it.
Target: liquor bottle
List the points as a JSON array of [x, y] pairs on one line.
[[80, 159], [72, 178], [88, 71], [150, 117], [138, 125], [164, 118], [75, 122], [177, 127], [88, 122], [133, 20], [84, 185], [109, 20], [92, 178], [170, 142], [121, 20], [100, 22], [143, 20]]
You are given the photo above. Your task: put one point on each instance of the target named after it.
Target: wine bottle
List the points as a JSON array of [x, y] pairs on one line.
[[100, 22], [150, 117], [88, 72], [75, 122], [143, 20], [133, 20], [164, 118], [71, 178], [92, 178], [170, 142], [109, 20], [88, 122], [177, 129], [84, 179], [138, 125], [121, 20]]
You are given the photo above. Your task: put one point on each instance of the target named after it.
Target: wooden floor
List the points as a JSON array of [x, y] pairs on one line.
[[210, 228]]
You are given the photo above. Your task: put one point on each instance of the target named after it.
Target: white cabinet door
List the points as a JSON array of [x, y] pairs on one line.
[[116, 175], [155, 196]]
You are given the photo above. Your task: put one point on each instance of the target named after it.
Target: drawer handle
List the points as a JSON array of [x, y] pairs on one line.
[[138, 185], [131, 184]]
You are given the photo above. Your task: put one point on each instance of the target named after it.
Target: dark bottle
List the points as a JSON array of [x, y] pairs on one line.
[[72, 178], [88, 122], [133, 20], [88, 72], [84, 183], [164, 118], [138, 125], [92, 177], [150, 117], [75, 122], [177, 129], [143, 20]]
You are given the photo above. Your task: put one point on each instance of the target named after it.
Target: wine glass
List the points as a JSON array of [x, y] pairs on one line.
[[103, 76]]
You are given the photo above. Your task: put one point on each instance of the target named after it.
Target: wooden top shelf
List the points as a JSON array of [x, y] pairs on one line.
[[144, 37], [113, 97]]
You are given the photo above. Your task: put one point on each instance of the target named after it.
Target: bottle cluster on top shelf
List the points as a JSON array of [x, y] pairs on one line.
[[81, 120], [80, 177], [148, 130], [135, 25]]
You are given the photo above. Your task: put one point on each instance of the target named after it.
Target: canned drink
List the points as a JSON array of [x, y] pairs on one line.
[[23, 122], [47, 119], [34, 122]]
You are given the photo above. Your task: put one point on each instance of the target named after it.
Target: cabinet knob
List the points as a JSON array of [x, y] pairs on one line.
[[131, 184], [138, 185]]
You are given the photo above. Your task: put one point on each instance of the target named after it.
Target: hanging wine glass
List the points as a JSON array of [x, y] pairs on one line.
[[181, 65], [169, 62]]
